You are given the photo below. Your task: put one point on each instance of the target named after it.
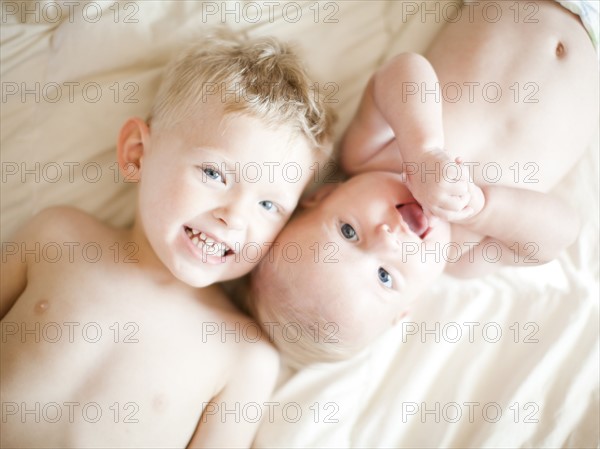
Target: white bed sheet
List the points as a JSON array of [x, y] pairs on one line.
[[377, 399]]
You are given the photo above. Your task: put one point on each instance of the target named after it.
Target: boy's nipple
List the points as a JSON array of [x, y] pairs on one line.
[[41, 306]]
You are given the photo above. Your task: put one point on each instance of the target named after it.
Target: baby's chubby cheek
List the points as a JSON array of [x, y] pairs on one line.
[[429, 257], [413, 290], [260, 246]]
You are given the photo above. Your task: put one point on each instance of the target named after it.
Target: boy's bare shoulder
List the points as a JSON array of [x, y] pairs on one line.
[[261, 351], [251, 338], [257, 365], [256, 352], [62, 223], [251, 359]]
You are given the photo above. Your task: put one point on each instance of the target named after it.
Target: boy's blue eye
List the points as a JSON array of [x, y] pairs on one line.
[[213, 174], [269, 205], [348, 232], [385, 278]]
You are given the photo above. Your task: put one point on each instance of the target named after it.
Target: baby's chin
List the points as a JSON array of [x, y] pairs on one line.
[[366, 339], [360, 333]]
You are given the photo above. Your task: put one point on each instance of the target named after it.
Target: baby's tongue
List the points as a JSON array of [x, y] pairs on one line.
[[414, 217]]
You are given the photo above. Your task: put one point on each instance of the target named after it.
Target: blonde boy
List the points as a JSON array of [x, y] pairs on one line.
[[368, 247], [99, 352]]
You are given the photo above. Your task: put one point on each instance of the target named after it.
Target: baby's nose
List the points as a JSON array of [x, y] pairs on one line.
[[386, 238]]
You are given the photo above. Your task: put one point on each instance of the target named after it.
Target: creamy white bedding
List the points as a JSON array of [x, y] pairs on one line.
[[409, 390]]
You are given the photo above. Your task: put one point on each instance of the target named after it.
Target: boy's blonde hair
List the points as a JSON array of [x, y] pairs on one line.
[[259, 76]]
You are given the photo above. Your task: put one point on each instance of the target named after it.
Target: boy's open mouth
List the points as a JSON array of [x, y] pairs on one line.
[[413, 216], [207, 244]]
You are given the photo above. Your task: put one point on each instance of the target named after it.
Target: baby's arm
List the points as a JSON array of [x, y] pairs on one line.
[[529, 227], [403, 102], [390, 109], [252, 382]]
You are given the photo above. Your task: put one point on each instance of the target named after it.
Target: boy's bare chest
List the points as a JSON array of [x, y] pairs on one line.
[[97, 340]]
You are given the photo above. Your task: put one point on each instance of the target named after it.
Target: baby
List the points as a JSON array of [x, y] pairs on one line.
[[348, 266], [113, 344]]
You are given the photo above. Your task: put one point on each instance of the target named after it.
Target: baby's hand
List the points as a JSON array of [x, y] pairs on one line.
[[442, 186], [476, 203]]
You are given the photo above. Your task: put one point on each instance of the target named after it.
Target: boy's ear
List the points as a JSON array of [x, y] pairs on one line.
[[318, 195], [133, 138]]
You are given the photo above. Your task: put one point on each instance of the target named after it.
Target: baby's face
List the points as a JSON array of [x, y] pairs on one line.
[[215, 190], [367, 250]]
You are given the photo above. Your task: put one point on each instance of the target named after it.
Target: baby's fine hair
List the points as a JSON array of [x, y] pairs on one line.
[[259, 76], [303, 337]]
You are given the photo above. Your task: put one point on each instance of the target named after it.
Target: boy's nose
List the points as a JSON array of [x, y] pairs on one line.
[[232, 217]]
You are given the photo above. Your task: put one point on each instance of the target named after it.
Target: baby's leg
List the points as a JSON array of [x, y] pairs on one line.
[[520, 85]]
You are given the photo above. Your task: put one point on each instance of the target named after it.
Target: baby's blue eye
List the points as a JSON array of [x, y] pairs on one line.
[[385, 278], [348, 232], [269, 205], [213, 173]]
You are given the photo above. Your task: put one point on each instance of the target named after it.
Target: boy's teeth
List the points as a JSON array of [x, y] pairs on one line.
[[205, 243]]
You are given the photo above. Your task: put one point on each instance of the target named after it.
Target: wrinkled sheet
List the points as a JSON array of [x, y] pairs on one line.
[[509, 360]]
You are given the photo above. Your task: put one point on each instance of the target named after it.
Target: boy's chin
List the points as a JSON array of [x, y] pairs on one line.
[[196, 278], [202, 280], [195, 281]]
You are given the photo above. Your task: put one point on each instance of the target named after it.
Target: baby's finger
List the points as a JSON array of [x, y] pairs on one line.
[[441, 213], [453, 216], [451, 202], [457, 217], [454, 181], [455, 188]]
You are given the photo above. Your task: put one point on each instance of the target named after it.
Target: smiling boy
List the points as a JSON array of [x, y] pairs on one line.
[[128, 362]]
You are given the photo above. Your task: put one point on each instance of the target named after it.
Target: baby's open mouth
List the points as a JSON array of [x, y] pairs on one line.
[[413, 216], [207, 244]]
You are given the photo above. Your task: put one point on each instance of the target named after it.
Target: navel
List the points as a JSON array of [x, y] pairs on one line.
[[41, 306], [560, 50]]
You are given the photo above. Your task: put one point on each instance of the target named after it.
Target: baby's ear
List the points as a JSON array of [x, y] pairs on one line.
[[133, 138], [318, 195]]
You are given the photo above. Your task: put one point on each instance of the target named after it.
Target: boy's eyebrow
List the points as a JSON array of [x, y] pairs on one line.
[[288, 201], [218, 153]]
